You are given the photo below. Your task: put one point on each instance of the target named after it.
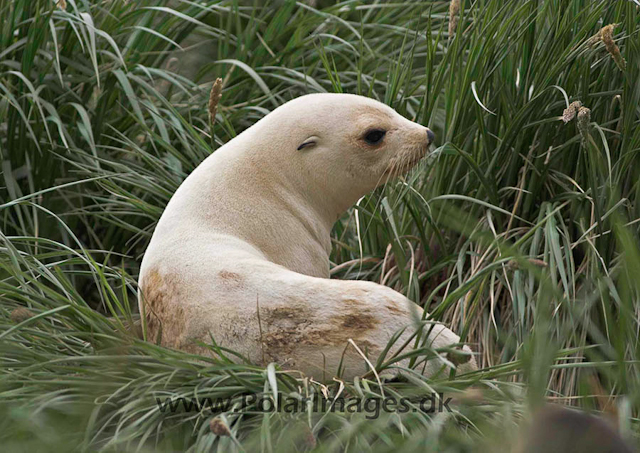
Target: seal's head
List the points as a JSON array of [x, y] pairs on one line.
[[341, 146]]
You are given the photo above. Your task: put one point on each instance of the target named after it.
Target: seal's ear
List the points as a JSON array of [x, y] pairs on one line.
[[311, 141]]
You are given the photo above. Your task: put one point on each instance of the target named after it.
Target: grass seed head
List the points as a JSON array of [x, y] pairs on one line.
[[570, 112], [218, 426], [214, 99], [606, 36], [454, 11], [584, 118], [21, 314]]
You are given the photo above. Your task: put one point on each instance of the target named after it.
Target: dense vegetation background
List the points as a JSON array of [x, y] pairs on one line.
[[520, 230]]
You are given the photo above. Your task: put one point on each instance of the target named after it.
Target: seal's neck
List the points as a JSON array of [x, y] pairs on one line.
[[247, 190], [315, 210], [243, 195]]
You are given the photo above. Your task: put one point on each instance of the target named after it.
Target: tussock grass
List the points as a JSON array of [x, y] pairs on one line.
[[520, 230]]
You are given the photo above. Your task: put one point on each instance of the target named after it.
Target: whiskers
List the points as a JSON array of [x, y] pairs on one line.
[[401, 166], [397, 168]]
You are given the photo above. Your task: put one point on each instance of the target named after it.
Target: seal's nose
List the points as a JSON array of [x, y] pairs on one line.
[[431, 136]]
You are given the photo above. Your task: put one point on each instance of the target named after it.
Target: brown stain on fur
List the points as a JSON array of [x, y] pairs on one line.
[[281, 344], [357, 321], [230, 277], [286, 329], [230, 280], [395, 309], [354, 302], [273, 315], [164, 315]]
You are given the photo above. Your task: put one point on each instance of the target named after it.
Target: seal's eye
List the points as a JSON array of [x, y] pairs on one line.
[[309, 142], [374, 137]]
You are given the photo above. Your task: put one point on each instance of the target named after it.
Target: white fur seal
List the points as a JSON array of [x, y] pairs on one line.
[[241, 252]]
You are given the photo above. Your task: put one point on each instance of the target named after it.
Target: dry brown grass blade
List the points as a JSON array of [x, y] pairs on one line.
[[606, 402]]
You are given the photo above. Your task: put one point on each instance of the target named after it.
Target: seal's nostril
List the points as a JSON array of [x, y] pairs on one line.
[[430, 136]]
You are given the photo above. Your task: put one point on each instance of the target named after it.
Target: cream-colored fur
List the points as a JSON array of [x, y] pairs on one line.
[[241, 253]]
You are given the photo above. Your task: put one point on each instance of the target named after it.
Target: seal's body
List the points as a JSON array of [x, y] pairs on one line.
[[241, 253]]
